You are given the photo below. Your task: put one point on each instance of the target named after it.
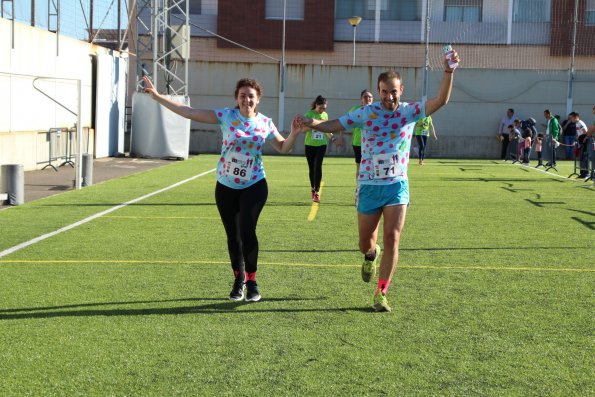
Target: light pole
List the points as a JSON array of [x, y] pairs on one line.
[[354, 21]]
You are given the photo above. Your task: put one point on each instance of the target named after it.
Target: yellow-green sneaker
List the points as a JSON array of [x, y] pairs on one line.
[[369, 267], [381, 303]]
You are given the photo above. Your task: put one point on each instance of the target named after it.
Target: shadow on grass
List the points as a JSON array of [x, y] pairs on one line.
[[479, 179], [176, 204], [319, 251], [307, 204], [311, 251], [220, 306], [212, 204]]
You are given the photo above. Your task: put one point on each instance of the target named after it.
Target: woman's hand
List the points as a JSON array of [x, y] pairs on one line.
[[150, 88], [296, 126], [305, 122]]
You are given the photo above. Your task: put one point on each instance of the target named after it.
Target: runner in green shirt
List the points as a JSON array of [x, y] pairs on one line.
[[422, 132], [356, 141], [315, 146]]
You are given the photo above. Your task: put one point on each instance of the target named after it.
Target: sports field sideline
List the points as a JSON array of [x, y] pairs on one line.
[[493, 294]]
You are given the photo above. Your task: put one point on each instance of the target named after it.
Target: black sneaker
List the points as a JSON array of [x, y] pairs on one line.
[[237, 291], [252, 293]]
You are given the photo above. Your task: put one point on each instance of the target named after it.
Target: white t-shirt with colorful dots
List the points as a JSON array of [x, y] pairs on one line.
[[240, 164], [386, 140]]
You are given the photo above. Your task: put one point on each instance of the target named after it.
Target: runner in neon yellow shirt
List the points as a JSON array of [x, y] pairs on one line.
[[356, 141], [315, 146], [422, 132]]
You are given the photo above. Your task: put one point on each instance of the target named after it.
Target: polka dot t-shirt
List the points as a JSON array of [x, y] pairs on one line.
[[386, 140], [240, 164]]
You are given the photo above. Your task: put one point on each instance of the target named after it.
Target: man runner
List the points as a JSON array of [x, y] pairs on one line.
[[383, 189]]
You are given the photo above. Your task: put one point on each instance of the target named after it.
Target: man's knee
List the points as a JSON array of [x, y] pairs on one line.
[[391, 238]]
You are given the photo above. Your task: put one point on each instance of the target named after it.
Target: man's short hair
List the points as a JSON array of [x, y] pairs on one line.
[[511, 110], [387, 76]]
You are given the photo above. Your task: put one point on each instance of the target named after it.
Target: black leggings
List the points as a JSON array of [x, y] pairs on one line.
[[239, 210], [315, 156], [422, 142]]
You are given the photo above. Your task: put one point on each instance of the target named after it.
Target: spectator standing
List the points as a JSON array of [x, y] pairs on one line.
[[553, 130], [538, 149], [569, 135], [503, 131], [520, 138], [527, 145]]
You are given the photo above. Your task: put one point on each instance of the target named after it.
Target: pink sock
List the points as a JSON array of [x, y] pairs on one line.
[[383, 285], [251, 276], [236, 273]]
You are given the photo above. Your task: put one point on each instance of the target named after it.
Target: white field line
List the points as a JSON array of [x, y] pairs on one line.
[[99, 214], [549, 173]]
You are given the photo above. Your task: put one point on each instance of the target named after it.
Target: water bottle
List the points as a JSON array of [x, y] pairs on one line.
[[447, 50]]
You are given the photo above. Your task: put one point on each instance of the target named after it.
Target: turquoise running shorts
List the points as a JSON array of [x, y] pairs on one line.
[[370, 199]]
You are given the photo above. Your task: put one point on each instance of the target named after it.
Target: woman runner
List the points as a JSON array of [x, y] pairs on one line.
[[315, 146], [241, 189]]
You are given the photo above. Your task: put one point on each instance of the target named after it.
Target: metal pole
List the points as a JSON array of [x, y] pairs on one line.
[[167, 44], [509, 22], [58, 28], [377, 21], [79, 138], [188, 46], [119, 23], [155, 38], [572, 52], [281, 118], [91, 20], [32, 12], [354, 27], [427, 52]]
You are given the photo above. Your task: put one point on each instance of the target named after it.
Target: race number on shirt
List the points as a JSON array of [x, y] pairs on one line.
[[238, 165], [317, 135], [385, 165]]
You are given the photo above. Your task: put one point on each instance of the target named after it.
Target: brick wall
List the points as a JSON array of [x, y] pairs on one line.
[[561, 35], [244, 21]]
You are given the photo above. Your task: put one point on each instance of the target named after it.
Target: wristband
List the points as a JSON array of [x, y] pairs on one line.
[[448, 71]]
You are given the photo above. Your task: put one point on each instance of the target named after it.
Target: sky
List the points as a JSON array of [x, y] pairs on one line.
[[74, 15]]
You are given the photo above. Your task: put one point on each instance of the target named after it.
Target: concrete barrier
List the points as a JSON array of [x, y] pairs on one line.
[[13, 180]]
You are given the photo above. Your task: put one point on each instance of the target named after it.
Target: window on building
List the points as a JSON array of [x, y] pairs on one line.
[[590, 12], [531, 11], [193, 8], [391, 10], [294, 9], [462, 10]]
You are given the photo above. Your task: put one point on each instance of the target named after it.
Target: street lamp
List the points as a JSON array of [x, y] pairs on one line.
[[354, 21]]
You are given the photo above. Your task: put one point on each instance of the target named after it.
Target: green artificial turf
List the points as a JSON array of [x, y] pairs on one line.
[[493, 294]]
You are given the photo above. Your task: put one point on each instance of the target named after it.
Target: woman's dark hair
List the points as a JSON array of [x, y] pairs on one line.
[[361, 95], [528, 133], [248, 83], [318, 101]]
